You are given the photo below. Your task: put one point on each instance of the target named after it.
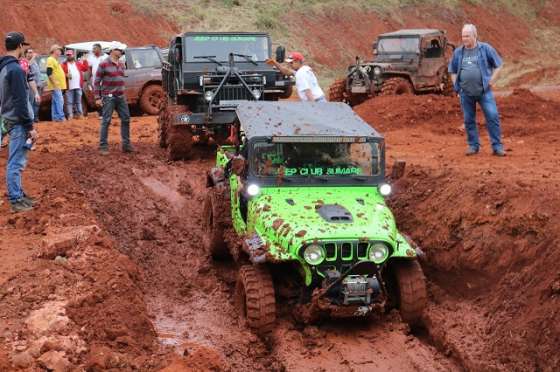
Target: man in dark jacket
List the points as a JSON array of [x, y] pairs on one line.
[[16, 111]]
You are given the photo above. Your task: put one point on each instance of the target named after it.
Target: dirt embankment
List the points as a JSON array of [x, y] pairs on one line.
[[48, 22], [489, 227], [334, 39]]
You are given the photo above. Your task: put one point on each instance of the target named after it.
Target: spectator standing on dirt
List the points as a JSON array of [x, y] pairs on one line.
[[109, 94], [56, 82], [16, 114], [74, 80], [474, 68], [31, 86], [35, 72], [307, 86], [95, 59]]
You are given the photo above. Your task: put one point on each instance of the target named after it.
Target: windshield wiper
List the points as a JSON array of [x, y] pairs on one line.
[[209, 58], [360, 178], [246, 57]]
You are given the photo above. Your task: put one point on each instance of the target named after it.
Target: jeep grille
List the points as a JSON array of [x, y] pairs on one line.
[[341, 256]]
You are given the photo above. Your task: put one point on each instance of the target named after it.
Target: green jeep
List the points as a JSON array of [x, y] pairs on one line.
[[298, 202]]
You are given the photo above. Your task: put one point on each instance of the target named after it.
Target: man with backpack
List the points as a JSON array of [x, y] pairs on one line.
[[16, 112]]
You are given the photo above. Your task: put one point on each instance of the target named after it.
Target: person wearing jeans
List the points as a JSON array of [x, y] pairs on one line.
[[74, 81], [109, 94], [17, 116], [474, 68], [56, 82]]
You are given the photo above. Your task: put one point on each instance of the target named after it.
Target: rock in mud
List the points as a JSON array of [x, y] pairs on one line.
[[55, 361]]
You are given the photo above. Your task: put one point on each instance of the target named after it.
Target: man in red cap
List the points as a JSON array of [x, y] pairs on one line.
[[307, 86], [74, 81]]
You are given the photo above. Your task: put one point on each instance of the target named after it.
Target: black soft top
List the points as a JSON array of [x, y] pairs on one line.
[[301, 119]]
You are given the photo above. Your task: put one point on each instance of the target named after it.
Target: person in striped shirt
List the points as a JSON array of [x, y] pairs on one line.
[[109, 94]]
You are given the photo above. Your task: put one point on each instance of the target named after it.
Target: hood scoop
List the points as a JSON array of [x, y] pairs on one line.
[[335, 213]]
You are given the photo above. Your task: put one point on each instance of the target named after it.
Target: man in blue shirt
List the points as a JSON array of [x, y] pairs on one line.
[[474, 68], [17, 114]]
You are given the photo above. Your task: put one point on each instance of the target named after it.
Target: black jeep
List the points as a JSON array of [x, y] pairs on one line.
[[205, 76]]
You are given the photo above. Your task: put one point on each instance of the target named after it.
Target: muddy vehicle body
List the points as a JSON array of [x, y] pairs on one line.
[[143, 83], [205, 77], [411, 61], [298, 203]]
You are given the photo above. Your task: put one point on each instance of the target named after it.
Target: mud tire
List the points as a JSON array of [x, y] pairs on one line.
[[396, 86], [216, 219], [337, 90], [255, 299], [411, 291], [162, 129], [151, 99], [448, 89]]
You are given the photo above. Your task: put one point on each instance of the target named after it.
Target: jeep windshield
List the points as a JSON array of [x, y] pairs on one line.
[[398, 45], [220, 46], [321, 161]]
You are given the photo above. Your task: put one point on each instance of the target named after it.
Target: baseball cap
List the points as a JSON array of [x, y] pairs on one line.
[[69, 53], [295, 56], [118, 46], [13, 39]]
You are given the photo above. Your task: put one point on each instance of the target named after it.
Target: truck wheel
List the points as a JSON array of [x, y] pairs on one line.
[[396, 86], [179, 142], [215, 217], [151, 99], [411, 287], [337, 90], [448, 89], [254, 297], [84, 106]]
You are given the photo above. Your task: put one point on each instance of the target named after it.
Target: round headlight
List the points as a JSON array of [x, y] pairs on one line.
[[314, 254], [208, 95], [385, 189], [253, 189], [378, 252], [256, 94], [377, 70]]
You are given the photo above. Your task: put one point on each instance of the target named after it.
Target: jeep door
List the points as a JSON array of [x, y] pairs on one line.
[[432, 62], [142, 65]]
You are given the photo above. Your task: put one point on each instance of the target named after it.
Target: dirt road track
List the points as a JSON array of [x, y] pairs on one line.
[[140, 293]]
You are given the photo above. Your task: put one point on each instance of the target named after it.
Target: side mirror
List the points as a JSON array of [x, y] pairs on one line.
[[238, 165], [280, 54]]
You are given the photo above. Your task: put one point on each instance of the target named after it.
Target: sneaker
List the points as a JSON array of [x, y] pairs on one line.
[[128, 149], [103, 151], [471, 151], [29, 201], [20, 206], [499, 153]]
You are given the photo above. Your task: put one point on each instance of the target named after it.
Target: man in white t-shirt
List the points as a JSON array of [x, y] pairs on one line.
[[307, 86], [94, 60]]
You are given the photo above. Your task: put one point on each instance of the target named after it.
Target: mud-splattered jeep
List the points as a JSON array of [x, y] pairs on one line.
[[298, 202], [412, 61]]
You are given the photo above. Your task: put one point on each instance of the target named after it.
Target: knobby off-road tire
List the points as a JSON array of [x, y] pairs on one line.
[[151, 99], [337, 90], [411, 288], [396, 86], [216, 218], [255, 300], [162, 128]]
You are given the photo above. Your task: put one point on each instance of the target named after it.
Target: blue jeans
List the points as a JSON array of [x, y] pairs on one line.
[[111, 104], [57, 105], [74, 102], [488, 105], [17, 159]]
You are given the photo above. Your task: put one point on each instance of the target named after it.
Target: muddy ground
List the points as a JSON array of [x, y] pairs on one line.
[[108, 273]]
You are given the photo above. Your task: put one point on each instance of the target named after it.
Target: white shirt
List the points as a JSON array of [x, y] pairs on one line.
[[73, 83], [94, 61], [305, 79]]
